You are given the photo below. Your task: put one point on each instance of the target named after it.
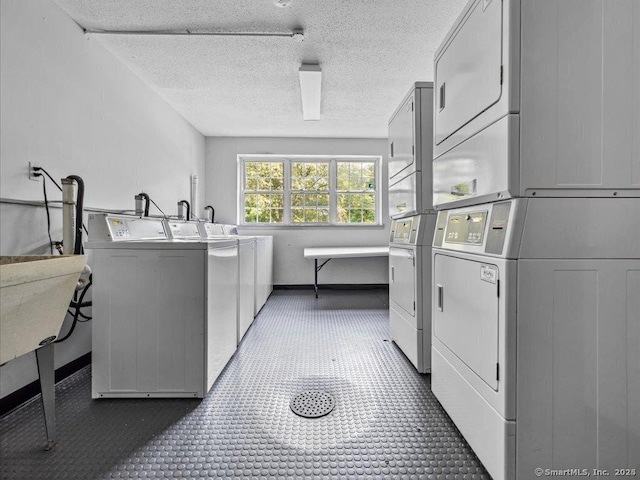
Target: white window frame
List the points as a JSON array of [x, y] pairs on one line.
[[333, 193]]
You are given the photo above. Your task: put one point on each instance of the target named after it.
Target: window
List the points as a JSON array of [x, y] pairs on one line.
[[264, 192], [356, 192], [309, 190]]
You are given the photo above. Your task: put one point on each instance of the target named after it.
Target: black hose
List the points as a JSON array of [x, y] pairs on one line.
[[81, 305], [213, 212], [46, 207], [77, 247], [77, 313], [184, 202], [82, 315]]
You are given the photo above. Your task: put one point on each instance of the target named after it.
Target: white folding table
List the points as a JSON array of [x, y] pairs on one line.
[[341, 252]]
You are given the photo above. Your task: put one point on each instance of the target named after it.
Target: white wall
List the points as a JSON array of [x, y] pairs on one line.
[[69, 106], [290, 267]]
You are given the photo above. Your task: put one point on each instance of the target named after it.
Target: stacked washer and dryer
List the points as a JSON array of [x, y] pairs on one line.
[[412, 226], [536, 255]]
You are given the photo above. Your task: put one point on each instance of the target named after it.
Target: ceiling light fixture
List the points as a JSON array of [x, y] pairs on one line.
[[310, 91]]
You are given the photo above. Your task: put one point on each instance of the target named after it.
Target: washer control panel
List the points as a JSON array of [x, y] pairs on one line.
[[106, 227], [119, 228], [485, 229], [213, 229], [183, 229], [416, 230], [466, 228]]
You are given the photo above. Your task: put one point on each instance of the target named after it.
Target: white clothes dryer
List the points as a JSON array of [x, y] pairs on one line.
[[410, 287], [536, 327]]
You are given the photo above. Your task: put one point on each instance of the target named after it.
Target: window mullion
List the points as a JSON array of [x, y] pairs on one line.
[[240, 208], [377, 178], [287, 192], [333, 196]]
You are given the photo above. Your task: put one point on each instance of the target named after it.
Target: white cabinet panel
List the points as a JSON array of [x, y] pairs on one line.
[[578, 360]]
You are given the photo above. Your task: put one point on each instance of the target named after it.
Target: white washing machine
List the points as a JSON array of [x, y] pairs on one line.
[[410, 287], [246, 271], [536, 329], [264, 264], [164, 325], [206, 231], [264, 270]]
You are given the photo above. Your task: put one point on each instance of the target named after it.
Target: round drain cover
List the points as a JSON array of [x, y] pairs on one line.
[[312, 404]]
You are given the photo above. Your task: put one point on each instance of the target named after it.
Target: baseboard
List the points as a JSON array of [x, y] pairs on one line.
[[20, 396], [333, 286]]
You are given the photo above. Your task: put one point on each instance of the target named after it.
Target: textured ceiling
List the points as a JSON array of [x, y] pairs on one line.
[[370, 52]]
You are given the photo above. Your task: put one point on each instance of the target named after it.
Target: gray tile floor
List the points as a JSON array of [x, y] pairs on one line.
[[385, 424]]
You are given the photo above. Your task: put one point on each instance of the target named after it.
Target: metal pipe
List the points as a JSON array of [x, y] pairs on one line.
[[139, 199], [77, 244], [69, 195], [194, 196], [296, 34]]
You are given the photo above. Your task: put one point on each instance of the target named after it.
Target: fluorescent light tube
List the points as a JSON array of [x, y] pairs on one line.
[[310, 83]]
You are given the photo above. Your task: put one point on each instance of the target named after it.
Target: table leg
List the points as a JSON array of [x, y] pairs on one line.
[[318, 268], [315, 281]]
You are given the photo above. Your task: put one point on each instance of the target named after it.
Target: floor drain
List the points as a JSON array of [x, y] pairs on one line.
[[312, 404]]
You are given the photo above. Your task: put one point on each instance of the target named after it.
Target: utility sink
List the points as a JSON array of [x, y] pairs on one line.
[[34, 296]]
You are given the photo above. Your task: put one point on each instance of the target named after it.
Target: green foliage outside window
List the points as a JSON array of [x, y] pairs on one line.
[[307, 190], [264, 192], [310, 192], [356, 192]]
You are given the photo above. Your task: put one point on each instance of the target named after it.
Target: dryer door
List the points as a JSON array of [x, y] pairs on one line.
[[468, 70], [402, 278], [466, 313], [401, 143]]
